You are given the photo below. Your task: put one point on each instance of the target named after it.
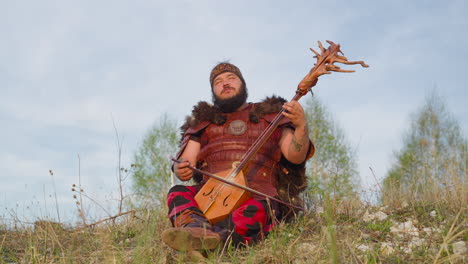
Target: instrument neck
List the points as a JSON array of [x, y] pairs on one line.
[[262, 138]]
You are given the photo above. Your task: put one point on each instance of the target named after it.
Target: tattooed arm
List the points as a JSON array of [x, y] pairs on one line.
[[294, 144]]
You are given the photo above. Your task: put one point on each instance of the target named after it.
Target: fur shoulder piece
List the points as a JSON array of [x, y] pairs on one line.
[[269, 105], [204, 111]]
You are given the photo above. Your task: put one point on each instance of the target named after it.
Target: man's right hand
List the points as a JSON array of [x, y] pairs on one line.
[[183, 172]]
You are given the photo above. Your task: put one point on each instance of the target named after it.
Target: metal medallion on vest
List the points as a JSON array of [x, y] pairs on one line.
[[237, 127]]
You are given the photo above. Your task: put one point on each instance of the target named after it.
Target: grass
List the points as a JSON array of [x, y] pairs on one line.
[[335, 236]]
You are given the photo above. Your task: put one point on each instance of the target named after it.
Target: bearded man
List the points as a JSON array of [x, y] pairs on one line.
[[217, 135]]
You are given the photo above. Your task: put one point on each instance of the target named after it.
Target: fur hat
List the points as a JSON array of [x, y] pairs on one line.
[[225, 67]]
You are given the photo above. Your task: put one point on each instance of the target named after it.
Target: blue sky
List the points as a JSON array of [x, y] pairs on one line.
[[71, 70]]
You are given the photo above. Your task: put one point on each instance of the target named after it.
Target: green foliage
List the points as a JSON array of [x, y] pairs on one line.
[[152, 172], [380, 226], [434, 155], [333, 169]]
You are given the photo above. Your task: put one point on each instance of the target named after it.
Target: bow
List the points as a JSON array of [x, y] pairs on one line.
[[245, 188]]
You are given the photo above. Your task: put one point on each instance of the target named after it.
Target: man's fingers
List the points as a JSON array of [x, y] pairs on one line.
[[292, 106], [289, 110], [185, 171], [288, 115], [185, 174], [183, 164]]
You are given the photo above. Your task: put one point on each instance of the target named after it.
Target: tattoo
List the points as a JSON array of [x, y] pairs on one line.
[[296, 145]]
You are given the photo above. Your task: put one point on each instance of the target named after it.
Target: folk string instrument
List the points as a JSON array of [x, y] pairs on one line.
[[227, 190]]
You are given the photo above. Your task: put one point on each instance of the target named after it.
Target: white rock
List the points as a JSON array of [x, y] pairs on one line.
[[366, 235], [459, 248], [386, 248], [319, 210], [381, 215], [378, 215], [406, 228], [409, 228], [367, 217], [363, 247], [407, 250], [428, 230], [306, 248], [397, 231], [416, 242], [433, 213]]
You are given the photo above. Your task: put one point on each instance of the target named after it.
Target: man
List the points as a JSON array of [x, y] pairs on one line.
[[217, 135]]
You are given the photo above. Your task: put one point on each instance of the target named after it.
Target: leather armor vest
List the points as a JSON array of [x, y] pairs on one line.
[[221, 145]]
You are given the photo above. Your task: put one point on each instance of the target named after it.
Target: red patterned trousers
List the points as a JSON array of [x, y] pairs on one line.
[[249, 223]]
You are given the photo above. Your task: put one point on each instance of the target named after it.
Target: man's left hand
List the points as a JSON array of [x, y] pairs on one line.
[[295, 113]]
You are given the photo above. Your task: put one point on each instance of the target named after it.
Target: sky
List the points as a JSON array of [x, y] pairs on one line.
[[78, 78]]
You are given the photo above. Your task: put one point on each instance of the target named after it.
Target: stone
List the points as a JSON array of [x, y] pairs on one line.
[[367, 217], [416, 242], [430, 230], [363, 248], [319, 210], [433, 213], [366, 236], [381, 215], [306, 248], [406, 228], [378, 215], [459, 248], [386, 248], [407, 250]]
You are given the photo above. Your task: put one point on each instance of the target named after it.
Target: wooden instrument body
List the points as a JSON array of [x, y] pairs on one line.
[[217, 199]]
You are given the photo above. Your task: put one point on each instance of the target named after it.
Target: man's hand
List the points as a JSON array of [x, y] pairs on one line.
[[295, 113], [183, 172], [294, 144]]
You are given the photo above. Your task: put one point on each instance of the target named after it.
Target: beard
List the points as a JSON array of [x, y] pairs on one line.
[[230, 105]]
